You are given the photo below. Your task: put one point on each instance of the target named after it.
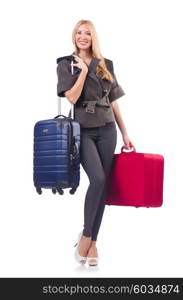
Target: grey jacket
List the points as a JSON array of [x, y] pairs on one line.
[[93, 108]]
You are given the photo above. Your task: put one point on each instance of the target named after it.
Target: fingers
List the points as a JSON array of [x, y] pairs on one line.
[[131, 145], [77, 57], [74, 64], [126, 146]]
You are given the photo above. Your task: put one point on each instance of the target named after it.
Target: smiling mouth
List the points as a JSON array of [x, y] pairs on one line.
[[83, 43]]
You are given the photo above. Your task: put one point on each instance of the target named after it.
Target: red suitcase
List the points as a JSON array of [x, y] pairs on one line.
[[136, 179]]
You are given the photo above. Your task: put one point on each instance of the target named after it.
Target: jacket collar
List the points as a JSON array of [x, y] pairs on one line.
[[93, 64]]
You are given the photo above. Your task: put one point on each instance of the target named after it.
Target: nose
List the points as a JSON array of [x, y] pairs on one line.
[[83, 36]]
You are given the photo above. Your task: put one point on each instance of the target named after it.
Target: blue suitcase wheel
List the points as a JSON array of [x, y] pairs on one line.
[[54, 190], [60, 191], [38, 189], [72, 191]]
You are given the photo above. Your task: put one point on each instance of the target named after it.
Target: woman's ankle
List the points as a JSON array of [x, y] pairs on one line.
[[93, 244], [84, 246], [92, 252], [85, 242]]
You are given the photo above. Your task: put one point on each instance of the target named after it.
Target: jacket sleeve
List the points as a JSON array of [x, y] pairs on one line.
[[65, 78], [116, 89]]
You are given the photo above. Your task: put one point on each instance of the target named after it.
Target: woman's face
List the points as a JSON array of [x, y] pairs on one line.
[[83, 37]]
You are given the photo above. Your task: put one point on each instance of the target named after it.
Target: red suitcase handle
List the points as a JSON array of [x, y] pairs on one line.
[[131, 147]]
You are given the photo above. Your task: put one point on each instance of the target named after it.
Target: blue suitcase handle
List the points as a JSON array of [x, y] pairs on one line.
[[62, 116]]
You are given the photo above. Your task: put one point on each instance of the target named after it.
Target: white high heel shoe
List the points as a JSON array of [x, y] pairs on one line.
[[92, 261], [79, 258]]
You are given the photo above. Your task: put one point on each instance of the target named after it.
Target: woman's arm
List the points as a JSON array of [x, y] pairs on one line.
[[118, 117], [128, 143], [74, 93]]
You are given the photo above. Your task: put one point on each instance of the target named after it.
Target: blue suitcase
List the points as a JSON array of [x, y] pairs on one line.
[[57, 154]]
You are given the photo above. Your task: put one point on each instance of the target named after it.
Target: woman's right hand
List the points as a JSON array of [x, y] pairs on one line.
[[128, 143], [80, 63]]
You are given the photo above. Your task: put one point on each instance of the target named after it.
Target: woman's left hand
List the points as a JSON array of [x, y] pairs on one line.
[[128, 143]]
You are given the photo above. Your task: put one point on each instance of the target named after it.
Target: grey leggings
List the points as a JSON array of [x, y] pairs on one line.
[[97, 151]]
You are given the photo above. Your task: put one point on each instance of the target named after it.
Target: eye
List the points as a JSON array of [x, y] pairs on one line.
[[88, 33]]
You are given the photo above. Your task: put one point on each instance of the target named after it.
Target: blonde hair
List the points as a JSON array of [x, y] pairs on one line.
[[95, 48]]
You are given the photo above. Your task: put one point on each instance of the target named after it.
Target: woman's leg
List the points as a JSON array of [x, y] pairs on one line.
[[106, 145], [91, 162]]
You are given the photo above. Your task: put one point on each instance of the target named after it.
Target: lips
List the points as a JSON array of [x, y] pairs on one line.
[[83, 43]]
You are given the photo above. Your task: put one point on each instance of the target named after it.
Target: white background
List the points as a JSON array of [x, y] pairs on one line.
[[144, 40]]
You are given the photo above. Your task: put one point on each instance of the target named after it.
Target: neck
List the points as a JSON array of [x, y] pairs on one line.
[[84, 54]]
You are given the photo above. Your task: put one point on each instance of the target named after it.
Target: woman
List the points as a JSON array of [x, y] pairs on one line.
[[93, 88]]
